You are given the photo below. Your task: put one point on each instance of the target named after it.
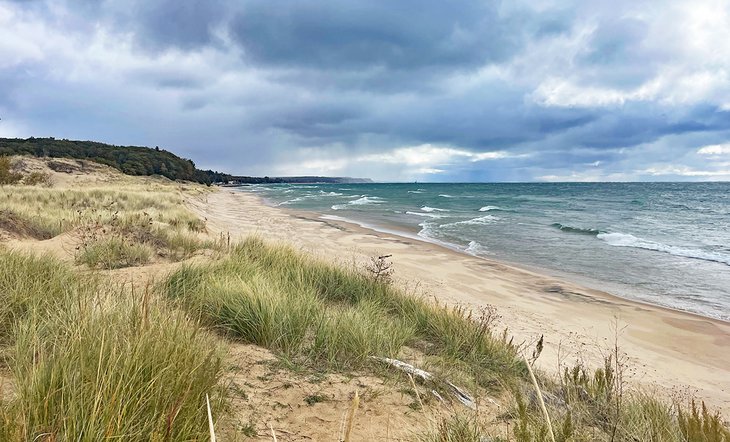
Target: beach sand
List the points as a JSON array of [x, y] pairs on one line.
[[675, 351]]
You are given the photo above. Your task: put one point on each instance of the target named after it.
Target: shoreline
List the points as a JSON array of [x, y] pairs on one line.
[[571, 278], [546, 273], [668, 348]]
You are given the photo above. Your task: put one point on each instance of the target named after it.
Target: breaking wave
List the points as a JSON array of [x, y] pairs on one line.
[[578, 230], [627, 240], [363, 200]]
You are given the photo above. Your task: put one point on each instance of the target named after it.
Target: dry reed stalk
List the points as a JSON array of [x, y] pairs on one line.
[[210, 419], [273, 433], [541, 401], [351, 416], [415, 390]]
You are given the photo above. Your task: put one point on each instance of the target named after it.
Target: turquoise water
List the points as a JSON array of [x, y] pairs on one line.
[[663, 243]]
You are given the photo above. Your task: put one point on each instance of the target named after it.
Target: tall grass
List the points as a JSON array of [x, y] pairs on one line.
[[31, 285], [54, 211], [91, 363], [317, 312]]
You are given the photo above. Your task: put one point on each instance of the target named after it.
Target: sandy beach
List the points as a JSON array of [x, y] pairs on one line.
[[673, 350]]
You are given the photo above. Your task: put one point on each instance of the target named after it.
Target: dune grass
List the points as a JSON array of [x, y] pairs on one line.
[[116, 224], [54, 210], [91, 362], [315, 312], [32, 285], [113, 253]]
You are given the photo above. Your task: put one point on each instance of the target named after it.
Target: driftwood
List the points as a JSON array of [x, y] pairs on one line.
[[425, 376]]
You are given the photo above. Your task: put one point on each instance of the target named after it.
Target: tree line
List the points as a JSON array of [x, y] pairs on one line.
[[131, 160]]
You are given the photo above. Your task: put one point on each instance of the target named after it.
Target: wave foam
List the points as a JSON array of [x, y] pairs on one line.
[[429, 215], [433, 209], [481, 221], [476, 249], [488, 208], [363, 200], [627, 240]]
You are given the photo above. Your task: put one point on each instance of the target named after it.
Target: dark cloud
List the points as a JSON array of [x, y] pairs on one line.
[[251, 86], [354, 34], [183, 24]]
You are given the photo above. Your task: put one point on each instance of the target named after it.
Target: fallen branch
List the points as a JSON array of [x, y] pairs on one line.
[[409, 369]]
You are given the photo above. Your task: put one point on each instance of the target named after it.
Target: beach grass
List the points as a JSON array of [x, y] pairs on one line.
[[53, 211], [322, 315], [92, 362], [316, 312], [113, 253]]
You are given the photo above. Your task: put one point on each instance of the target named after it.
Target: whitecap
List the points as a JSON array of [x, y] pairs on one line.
[[363, 200], [433, 209], [481, 221], [476, 249], [429, 215], [627, 240]]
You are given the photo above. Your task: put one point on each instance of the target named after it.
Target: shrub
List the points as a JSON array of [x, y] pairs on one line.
[[38, 179], [7, 176]]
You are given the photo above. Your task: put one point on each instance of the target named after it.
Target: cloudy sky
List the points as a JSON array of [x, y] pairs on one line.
[[533, 90]]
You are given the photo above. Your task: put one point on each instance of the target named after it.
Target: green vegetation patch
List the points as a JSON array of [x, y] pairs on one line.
[[91, 363], [316, 312]]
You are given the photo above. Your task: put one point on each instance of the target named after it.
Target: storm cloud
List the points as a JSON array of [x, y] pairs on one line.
[[434, 91]]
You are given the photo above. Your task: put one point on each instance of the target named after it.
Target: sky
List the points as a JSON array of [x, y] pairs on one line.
[[532, 90]]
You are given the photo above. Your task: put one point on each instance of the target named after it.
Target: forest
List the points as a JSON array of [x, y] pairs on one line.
[[131, 160]]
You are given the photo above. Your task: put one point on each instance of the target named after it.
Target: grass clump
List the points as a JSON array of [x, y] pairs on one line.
[[90, 363], [31, 285], [698, 424], [456, 428], [113, 253], [18, 225], [318, 312]]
